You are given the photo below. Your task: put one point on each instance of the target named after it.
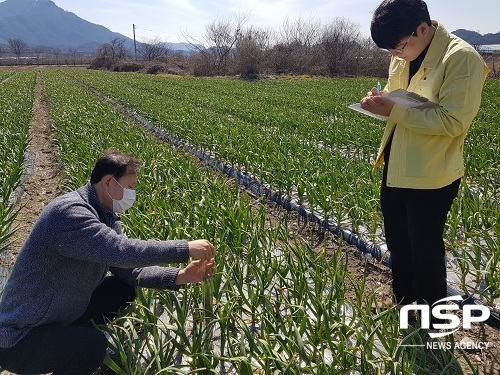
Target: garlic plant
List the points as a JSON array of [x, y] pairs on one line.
[[273, 306]]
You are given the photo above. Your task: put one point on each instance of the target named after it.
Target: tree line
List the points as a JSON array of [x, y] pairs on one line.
[[230, 47], [18, 52]]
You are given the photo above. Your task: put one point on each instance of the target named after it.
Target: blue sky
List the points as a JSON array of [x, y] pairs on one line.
[[169, 19]]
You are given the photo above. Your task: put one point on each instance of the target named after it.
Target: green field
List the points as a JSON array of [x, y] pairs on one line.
[[274, 306], [300, 138]]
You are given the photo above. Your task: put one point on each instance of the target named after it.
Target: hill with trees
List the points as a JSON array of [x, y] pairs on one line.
[[474, 38]]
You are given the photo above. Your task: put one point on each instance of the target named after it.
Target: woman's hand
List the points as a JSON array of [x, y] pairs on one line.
[[374, 102], [196, 271], [201, 249]]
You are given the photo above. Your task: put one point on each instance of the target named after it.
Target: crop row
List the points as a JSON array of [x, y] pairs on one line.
[[6, 74], [16, 103], [300, 138], [273, 306], [272, 131]]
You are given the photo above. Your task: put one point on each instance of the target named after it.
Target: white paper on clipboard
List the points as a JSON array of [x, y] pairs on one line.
[[401, 97]]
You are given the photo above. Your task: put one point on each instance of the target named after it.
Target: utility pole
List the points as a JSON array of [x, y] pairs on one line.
[[135, 46]]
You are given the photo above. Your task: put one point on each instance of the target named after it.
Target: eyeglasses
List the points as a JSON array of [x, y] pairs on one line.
[[399, 50]]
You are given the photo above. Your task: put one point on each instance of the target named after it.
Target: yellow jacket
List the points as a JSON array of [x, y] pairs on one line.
[[427, 147]]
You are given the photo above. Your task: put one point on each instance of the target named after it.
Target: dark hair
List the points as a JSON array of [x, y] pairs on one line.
[[113, 163], [394, 20]]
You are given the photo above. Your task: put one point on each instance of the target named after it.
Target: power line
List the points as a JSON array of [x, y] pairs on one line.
[[156, 31]]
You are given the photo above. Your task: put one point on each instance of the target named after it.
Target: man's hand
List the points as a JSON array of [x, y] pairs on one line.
[[201, 249], [195, 272], [374, 102]]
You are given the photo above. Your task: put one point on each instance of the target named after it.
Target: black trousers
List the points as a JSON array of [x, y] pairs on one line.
[[77, 349], [414, 221]]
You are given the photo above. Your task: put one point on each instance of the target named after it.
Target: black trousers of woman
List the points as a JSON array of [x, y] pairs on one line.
[[78, 349], [414, 221]]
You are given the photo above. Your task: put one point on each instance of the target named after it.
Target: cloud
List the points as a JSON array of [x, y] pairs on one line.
[[186, 5]]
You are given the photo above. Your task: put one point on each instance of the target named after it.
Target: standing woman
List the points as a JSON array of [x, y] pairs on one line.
[[59, 283], [422, 149]]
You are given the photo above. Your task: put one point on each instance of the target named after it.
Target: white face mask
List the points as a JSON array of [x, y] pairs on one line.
[[120, 205]]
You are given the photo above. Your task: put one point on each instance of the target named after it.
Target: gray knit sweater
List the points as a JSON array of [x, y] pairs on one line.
[[74, 243]]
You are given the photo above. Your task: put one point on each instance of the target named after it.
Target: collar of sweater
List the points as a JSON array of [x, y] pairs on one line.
[[89, 194]]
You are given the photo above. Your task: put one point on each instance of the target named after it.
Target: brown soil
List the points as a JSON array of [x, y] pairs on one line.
[[46, 182]]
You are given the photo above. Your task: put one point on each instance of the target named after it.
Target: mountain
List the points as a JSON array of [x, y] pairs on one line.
[[474, 38], [41, 23]]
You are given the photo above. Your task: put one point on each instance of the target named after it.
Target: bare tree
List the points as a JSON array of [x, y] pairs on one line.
[[299, 31], [372, 61], [152, 49], [219, 43], [250, 49], [105, 51], [18, 47], [339, 38], [300, 46], [56, 52], [294, 52], [224, 35], [117, 49], [73, 55], [103, 57], [109, 53], [280, 60], [38, 52]]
